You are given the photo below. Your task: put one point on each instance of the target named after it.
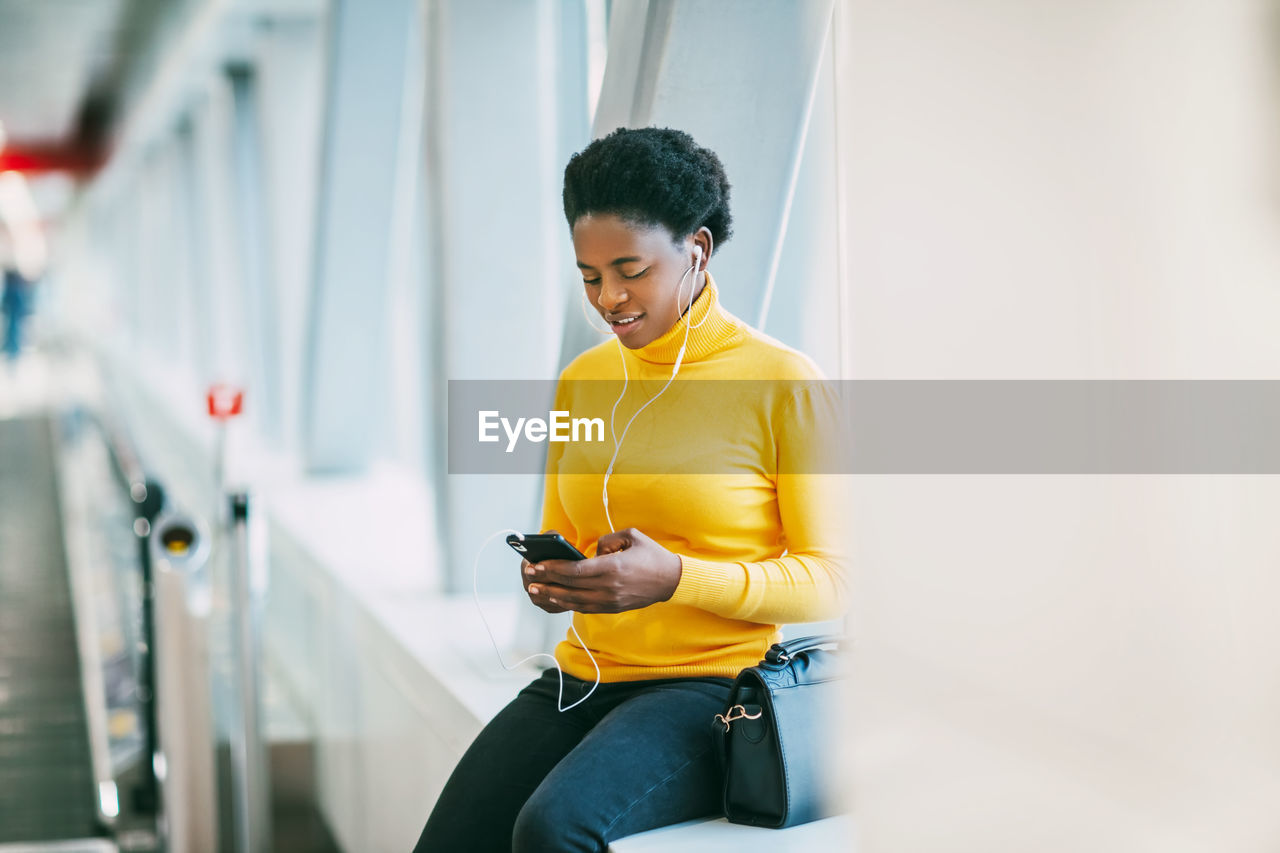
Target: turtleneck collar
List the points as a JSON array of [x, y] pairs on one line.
[[714, 329]]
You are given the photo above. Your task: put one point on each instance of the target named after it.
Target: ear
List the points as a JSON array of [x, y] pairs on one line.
[[702, 244]]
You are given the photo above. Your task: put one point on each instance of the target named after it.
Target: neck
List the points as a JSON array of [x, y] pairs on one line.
[[709, 327], [699, 286]]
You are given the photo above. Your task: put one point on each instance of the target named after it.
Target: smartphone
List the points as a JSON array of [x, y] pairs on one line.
[[536, 547]]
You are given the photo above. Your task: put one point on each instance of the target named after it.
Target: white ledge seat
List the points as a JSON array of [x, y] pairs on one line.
[[719, 836]]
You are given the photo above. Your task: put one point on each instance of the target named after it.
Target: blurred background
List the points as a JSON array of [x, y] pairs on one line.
[[248, 243]]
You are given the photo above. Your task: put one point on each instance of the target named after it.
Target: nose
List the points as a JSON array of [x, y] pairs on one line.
[[612, 293]]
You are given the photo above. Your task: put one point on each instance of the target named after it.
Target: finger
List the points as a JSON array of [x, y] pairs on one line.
[[528, 573], [572, 598], [540, 599], [573, 572], [590, 580], [550, 607], [618, 540]]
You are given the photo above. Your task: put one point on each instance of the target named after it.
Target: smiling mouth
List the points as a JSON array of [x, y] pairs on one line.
[[623, 328]]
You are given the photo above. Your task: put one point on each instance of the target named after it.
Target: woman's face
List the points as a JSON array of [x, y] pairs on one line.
[[632, 272]]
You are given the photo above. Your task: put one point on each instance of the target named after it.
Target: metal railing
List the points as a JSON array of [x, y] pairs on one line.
[[148, 501], [182, 630]]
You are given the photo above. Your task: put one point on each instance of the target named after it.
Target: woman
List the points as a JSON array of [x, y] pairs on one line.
[[686, 580], [15, 306]]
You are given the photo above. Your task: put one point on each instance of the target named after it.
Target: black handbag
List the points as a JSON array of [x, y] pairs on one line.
[[776, 735]]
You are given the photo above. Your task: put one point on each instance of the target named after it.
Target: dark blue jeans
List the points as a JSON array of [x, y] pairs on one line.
[[636, 755]]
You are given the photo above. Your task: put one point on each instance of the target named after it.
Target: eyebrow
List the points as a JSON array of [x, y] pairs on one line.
[[615, 262]]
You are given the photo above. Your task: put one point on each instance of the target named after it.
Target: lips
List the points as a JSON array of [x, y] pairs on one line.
[[624, 326]]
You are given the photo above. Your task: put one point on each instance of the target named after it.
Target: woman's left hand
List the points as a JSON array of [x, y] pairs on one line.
[[629, 571]]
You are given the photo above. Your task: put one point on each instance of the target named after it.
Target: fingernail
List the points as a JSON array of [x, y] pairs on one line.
[[534, 589], [528, 570]]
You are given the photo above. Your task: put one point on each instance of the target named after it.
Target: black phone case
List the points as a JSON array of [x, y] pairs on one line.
[[544, 546]]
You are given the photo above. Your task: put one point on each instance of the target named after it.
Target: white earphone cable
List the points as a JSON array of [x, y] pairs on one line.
[[475, 592], [617, 440], [582, 302], [617, 446]]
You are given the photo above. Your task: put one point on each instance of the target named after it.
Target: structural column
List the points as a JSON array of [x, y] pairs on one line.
[[368, 56]]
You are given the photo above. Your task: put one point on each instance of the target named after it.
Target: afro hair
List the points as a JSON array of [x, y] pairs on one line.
[[650, 176]]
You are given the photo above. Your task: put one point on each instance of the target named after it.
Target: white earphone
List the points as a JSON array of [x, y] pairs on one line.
[[618, 439], [475, 594], [617, 446]]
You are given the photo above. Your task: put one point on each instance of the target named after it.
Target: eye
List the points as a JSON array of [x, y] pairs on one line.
[[637, 275], [591, 281]]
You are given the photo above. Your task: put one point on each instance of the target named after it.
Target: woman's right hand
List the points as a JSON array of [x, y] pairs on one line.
[[538, 597]]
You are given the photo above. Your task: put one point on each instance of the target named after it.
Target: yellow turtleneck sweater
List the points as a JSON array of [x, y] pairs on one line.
[[761, 537]]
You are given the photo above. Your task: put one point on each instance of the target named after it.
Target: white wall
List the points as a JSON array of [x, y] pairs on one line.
[[1065, 190]]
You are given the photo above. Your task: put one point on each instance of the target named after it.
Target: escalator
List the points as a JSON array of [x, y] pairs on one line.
[[47, 784], [132, 716]]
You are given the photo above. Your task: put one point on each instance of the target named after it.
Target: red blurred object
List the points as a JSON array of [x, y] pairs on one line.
[[224, 401], [30, 159]]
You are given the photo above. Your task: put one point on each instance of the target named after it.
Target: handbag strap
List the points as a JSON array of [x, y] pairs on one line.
[[782, 652]]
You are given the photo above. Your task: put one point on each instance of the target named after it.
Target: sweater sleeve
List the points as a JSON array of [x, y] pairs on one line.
[[808, 583]]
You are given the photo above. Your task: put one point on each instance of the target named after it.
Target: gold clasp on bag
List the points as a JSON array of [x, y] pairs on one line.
[[741, 713]]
